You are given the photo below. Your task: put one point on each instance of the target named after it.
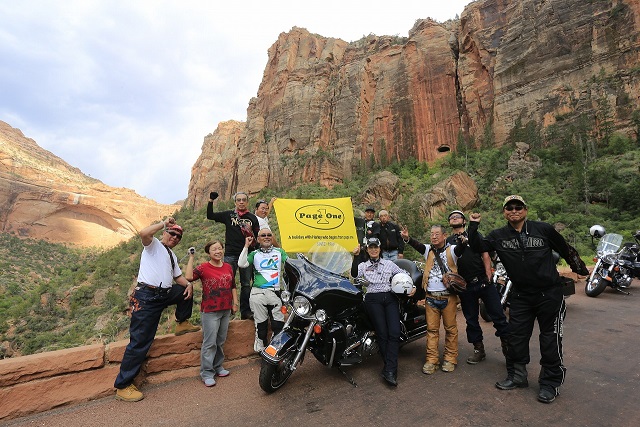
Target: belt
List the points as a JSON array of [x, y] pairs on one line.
[[478, 279], [156, 289], [438, 293]]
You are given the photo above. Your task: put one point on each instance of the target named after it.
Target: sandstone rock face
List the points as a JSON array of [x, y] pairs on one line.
[[42, 197], [327, 108], [458, 190]]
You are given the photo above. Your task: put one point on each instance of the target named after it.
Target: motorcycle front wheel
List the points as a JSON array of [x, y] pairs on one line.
[[272, 377], [595, 287]]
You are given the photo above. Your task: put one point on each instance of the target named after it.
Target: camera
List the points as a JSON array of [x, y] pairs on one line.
[[192, 250]]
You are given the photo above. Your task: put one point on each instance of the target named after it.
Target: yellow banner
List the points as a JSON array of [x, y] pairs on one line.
[[304, 222]]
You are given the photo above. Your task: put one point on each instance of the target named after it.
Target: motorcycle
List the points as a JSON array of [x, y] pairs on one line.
[[616, 264], [326, 315], [502, 283]]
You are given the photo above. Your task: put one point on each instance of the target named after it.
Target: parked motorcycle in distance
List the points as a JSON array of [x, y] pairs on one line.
[[616, 263], [327, 315]]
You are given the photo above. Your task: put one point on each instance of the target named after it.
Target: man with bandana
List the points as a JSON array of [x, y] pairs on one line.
[[239, 224]]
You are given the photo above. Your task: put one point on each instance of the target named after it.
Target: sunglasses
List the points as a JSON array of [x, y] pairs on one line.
[[265, 235], [456, 216], [513, 207], [174, 234]]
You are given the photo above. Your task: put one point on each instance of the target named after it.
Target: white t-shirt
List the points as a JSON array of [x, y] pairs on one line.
[[264, 222], [155, 265], [435, 276]]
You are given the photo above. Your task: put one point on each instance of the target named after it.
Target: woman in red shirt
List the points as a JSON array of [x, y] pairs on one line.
[[219, 303]]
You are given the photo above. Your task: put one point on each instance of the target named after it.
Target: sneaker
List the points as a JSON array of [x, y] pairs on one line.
[[222, 372], [448, 366], [429, 368], [209, 382], [258, 345], [185, 327], [129, 394]]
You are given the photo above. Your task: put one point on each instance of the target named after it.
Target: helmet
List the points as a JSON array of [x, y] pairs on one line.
[[373, 241], [597, 231], [457, 212], [401, 283]]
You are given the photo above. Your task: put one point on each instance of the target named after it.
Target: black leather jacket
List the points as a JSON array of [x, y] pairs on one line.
[[530, 268]]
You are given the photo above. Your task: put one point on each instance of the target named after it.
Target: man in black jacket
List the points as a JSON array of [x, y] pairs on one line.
[[476, 270], [239, 223], [525, 249], [391, 242]]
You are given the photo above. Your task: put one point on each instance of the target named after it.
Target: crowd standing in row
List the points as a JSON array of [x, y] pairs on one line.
[[524, 246]]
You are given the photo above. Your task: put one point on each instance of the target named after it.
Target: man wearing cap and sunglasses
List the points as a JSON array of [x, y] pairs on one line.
[[154, 292], [476, 270], [525, 249]]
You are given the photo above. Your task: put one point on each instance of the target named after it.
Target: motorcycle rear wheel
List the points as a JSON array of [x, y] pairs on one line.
[[272, 377], [595, 287]]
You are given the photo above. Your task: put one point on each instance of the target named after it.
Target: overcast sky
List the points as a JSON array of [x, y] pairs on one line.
[[127, 90]]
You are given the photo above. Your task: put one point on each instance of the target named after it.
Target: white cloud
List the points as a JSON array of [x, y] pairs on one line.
[[127, 90]]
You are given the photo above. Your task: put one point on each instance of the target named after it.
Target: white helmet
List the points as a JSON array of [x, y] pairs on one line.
[[597, 231], [401, 283]]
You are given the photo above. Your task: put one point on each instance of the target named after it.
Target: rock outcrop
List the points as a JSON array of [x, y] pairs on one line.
[[327, 108], [43, 197]]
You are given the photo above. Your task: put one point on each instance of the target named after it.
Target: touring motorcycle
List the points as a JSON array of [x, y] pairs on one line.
[[616, 263], [327, 317]]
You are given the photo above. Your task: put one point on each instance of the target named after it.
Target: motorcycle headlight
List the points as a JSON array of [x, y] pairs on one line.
[[301, 305], [610, 258], [321, 315], [285, 296]]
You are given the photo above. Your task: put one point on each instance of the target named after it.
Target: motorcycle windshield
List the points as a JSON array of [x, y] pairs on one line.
[[610, 243], [312, 281]]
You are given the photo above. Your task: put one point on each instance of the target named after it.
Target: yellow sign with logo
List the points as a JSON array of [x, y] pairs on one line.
[[304, 222]]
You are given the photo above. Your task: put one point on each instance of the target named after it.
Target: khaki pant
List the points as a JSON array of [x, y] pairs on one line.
[[448, 316]]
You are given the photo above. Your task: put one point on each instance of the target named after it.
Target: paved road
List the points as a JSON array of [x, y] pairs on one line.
[[602, 351]]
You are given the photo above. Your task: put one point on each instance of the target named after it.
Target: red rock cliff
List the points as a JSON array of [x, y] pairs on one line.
[[326, 108]]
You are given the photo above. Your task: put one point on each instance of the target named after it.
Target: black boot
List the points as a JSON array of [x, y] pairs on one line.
[[516, 377], [390, 377]]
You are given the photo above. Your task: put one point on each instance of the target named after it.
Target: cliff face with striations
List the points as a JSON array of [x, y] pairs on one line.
[[43, 197], [326, 108]]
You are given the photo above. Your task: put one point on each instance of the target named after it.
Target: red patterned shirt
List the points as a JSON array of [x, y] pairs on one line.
[[217, 283]]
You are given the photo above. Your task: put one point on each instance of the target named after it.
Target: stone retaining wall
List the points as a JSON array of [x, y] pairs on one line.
[[44, 381]]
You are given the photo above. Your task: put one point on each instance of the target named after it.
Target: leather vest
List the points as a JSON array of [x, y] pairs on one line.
[[428, 266]]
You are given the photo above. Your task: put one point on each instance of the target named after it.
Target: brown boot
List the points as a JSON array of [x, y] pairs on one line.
[[478, 354], [185, 327]]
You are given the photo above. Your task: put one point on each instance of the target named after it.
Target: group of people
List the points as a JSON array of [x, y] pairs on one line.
[[524, 246], [526, 249]]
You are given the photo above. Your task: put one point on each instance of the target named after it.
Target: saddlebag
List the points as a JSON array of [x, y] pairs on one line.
[[568, 286]]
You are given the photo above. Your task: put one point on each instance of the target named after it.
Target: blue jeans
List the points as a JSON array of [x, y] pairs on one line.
[[382, 308], [214, 333], [245, 282], [391, 255], [146, 308], [488, 293]]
